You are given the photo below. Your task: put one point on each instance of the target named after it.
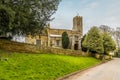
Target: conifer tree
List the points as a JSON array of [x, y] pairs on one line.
[[65, 40]]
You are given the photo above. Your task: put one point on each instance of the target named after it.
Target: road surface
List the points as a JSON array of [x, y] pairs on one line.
[[106, 71]]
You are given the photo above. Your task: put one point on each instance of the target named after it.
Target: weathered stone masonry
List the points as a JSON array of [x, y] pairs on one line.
[[53, 37]]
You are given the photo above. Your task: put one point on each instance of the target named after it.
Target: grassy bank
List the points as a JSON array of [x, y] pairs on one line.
[[17, 66]]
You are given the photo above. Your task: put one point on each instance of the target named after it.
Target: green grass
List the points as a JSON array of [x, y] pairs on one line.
[[21, 66]]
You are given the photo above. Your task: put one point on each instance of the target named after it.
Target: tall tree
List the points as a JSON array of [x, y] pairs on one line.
[[108, 29], [108, 43], [6, 19], [105, 28], [65, 40], [93, 41], [31, 15], [117, 37]]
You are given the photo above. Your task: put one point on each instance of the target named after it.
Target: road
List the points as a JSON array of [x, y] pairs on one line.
[[106, 71]]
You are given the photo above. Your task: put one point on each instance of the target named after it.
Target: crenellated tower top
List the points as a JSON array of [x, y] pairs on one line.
[[77, 23]]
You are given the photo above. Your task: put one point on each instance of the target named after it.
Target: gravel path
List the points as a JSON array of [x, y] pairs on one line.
[[107, 71]]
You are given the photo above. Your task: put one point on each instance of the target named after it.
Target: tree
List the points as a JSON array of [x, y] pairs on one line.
[[65, 40], [82, 46], [110, 34], [105, 28], [117, 37], [118, 52], [93, 41], [30, 15], [108, 29], [6, 19], [108, 43]]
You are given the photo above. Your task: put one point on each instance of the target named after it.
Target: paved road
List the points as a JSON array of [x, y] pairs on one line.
[[106, 71]]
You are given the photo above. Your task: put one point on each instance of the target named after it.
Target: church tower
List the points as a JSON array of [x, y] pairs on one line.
[[77, 24]]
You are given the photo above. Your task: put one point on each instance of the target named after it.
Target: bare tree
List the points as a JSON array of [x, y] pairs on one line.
[[108, 29], [117, 36]]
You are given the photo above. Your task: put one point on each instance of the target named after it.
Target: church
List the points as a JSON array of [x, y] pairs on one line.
[[53, 37]]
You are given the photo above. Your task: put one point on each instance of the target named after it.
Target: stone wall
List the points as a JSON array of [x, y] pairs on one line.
[[17, 47], [23, 47], [62, 51]]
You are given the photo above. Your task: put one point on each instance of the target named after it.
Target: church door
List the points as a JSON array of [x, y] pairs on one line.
[[76, 47]]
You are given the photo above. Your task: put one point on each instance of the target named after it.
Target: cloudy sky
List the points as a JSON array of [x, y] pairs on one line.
[[94, 13]]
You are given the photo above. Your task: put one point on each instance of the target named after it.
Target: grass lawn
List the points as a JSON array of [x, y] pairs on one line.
[[17, 66]]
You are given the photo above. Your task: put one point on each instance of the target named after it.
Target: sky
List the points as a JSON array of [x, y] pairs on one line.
[[94, 13]]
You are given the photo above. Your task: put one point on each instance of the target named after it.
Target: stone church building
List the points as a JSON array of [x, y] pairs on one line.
[[53, 37]]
